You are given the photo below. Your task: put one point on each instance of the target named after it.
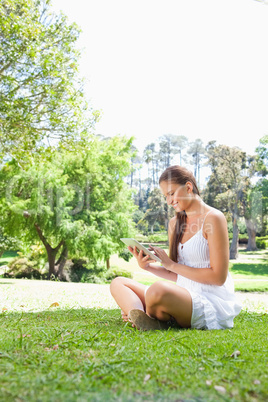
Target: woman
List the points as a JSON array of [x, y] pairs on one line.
[[203, 296]]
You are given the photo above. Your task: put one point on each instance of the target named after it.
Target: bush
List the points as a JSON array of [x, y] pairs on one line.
[[114, 272], [261, 244], [22, 267], [156, 238], [141, 238], [81, 270], [125, 254]]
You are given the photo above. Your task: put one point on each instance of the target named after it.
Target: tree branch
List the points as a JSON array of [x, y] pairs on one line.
[[42, 237]]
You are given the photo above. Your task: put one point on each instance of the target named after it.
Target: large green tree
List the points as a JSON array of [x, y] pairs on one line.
[[76, 202], [157, 210], [227, 184], [41, 95]]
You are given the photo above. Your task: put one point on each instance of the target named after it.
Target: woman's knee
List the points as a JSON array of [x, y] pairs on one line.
[[115, 283], [118, 282], [155, 293]]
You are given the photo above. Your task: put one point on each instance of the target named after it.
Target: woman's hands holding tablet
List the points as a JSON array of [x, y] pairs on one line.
[[143, 260]]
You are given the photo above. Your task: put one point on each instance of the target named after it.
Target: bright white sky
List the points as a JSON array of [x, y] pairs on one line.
[[197, 68]]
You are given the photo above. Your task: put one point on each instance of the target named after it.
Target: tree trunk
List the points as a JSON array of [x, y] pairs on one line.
[[51, 252], [234, 244], [61, 262], [51, 261], [251, 246], [108, 263]]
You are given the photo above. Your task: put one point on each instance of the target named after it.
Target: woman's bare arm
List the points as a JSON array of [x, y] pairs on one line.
[[216, 231]]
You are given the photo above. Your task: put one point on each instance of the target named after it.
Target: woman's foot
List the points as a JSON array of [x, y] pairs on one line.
[[143, 322]]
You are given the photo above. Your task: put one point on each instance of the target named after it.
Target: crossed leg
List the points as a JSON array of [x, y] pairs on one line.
[[162, 300]]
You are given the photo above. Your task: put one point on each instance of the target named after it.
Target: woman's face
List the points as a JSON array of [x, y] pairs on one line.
[[177, 195]]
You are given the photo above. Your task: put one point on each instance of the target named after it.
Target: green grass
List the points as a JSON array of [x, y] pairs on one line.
[[7, 256], [84, 354], [249, 270], [252, 286]]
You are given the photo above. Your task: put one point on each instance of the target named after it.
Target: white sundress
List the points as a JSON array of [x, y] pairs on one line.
[[214, 307]]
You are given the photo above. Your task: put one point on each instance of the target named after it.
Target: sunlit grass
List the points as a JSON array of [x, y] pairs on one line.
[[89, 354]]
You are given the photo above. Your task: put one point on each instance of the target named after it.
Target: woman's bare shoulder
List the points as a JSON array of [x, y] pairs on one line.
[[215, 219], [215, 215]]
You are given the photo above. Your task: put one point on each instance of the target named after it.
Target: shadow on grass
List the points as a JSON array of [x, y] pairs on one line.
[[101, 318], [249, 269], [261, 253]]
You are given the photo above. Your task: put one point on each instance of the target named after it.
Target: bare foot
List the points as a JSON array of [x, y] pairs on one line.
[[126, 318]]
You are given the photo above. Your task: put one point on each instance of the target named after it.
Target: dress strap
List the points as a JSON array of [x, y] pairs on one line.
[[205, 218]]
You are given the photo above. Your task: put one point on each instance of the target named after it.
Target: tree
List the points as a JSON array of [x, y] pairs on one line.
[[262, 188], [227, 184], [179, 143], [157, 211], [197, 151], [150, 157], [262, 156], [41, 95], [171, 145], [252, 202], [77, 202]]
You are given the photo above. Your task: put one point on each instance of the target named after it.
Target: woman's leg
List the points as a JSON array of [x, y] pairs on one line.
[[165, 300], [128, 294]]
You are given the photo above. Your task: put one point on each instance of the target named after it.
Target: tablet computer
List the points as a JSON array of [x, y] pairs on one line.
[[134, 243]]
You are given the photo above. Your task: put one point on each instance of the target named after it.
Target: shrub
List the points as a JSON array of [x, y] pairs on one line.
[[81, 270], [156, 238], [141, 238], [261, 244], [125, 254], [22, 267], [114, 272]]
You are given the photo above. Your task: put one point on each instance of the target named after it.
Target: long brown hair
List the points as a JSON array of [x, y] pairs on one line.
[[178, 175]]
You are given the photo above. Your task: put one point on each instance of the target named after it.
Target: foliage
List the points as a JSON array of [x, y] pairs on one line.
[[125, 254], [76, 202], [229, 184], [22, 267], [8, 242], [241, 226], [262, 187], [82, 270], [197, 152], [114, 272], [262, 156], [41, 95], [157, 210], [261, 243], [159, 237]]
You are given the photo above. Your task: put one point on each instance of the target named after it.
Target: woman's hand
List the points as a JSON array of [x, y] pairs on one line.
[[143, 261], [160, 253]]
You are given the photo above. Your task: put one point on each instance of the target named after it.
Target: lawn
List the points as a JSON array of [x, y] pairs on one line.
[[80, 351]]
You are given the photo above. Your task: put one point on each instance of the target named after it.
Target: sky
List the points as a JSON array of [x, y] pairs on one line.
[[196, 68]]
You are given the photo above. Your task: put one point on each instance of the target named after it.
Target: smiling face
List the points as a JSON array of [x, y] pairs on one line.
[[180, 196]]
